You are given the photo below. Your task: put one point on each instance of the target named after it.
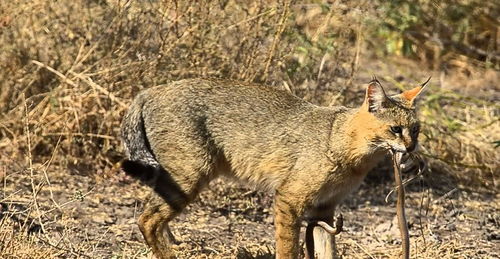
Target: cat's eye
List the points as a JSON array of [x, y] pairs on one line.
[[397, 129]]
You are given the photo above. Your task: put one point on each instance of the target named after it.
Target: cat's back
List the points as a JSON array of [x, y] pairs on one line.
[[225, 100]]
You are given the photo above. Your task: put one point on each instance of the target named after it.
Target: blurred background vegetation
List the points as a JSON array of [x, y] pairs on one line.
[[435, 32], [68, 69]]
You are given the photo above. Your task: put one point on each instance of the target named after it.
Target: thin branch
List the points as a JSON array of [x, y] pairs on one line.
[[31, 170]]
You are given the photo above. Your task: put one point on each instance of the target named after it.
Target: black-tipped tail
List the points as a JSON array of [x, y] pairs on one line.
[[159, 180], [139, 170]]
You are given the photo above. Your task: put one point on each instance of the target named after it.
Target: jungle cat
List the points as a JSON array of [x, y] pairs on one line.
[[178, 137]]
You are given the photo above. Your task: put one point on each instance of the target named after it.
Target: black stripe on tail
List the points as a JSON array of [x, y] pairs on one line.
[[159, 180], [140, 170]]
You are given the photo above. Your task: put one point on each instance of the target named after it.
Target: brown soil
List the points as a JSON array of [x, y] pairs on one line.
[[95, 216]]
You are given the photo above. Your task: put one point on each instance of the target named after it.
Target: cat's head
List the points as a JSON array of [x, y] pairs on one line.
[[396, 118]]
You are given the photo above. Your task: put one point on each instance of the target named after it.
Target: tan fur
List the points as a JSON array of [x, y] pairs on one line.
[[180, 136]]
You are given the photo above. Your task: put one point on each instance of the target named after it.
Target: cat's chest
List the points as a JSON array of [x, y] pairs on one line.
[[333, 192], [344, 180]]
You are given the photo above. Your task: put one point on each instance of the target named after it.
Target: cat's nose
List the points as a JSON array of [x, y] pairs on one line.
[[410, 148]]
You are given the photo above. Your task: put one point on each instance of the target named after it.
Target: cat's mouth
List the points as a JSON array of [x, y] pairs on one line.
[[398, 148]]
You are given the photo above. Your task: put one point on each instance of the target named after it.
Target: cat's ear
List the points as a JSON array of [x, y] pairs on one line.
[[411, 95], [375, 96]]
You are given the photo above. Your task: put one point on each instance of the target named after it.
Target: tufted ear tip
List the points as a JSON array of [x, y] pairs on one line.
[[412, 94]]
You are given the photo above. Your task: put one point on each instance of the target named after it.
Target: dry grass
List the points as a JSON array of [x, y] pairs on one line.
[[78, 71], [68, 70]]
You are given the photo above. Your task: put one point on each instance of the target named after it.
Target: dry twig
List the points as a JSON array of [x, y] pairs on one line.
[[403, 227]]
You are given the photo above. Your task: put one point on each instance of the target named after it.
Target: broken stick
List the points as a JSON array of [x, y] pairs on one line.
[[320, 238]]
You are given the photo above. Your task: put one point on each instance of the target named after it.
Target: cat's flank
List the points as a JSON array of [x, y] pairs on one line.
[[180, 136]]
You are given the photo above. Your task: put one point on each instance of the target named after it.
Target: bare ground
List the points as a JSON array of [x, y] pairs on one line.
[[86, 216]]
